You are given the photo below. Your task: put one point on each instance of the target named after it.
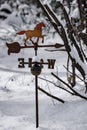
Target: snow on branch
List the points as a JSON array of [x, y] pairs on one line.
[[75, 92], [46, 2]]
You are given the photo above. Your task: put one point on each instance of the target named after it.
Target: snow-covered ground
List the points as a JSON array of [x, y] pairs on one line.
[[17, 93], [17, 98]]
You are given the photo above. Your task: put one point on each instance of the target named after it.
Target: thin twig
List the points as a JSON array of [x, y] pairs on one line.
[[56, 98]]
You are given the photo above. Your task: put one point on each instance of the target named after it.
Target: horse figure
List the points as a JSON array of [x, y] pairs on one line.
[[37, 32]]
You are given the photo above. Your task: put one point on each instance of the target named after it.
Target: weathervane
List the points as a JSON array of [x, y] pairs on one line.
[[35, 65]]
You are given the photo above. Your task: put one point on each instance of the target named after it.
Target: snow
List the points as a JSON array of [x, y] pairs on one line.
[[84, 31], [5, 5], [74, 2], [14, 18], [17, 90], [35, 59], [23, 6], [75, 13], [17, 109], [46, 2]]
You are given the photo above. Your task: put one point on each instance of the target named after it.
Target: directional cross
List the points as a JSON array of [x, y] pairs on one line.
[[22, 63]]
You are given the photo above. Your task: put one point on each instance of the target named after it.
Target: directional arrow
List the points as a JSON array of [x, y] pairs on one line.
[[15, 47]]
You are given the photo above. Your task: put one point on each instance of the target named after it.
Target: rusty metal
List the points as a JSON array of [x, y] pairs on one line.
[[36, 69], [36, 89], [36, 98], [22, 63], [15, 47]]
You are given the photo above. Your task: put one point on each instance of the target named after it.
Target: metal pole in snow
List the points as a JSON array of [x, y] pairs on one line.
[[36, 95]]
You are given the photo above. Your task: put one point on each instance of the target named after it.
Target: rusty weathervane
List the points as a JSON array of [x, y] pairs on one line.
[[35, 65]]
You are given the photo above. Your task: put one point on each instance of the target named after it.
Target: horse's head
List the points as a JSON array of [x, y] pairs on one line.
[[39, 26], [42, 24]]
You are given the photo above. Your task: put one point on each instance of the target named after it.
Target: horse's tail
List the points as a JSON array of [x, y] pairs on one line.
[[21, 32]]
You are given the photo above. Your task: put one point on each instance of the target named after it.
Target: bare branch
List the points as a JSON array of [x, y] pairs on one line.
[[56, 98]]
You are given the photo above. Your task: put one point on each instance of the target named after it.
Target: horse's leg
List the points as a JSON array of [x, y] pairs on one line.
[[42, 39], [31, 40], [37, 39], [25, 40]]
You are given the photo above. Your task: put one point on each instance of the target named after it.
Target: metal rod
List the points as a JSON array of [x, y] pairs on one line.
[[36, 93], [35, 52], [36, 98], [57, 45]]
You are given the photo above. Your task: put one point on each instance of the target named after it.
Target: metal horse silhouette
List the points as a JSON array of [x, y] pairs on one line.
[[37, 32]]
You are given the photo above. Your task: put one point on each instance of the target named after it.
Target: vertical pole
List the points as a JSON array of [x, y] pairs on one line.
[[35, 48], [35, 52], [36, 93]]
